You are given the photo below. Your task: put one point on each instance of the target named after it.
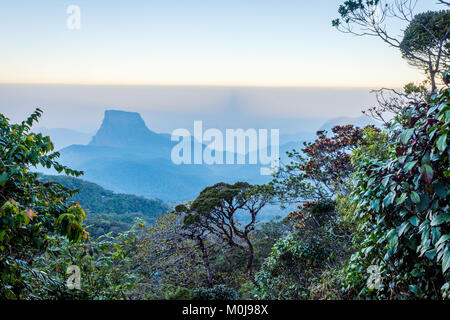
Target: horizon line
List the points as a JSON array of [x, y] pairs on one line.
[[198, 85]]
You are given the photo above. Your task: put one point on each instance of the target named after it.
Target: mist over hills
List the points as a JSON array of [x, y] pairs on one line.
[[126, 156], [165, 108], [63, 137], [361, 122]]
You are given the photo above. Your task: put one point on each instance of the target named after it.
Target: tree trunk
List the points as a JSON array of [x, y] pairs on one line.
[[250, 258], [433, 81], [201, 244]]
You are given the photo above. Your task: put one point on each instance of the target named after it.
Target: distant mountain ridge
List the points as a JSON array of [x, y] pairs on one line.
[[361, 122], [126, 156]]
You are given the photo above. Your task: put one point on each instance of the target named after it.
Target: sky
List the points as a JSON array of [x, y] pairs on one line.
[[231, 63], [288, 43]]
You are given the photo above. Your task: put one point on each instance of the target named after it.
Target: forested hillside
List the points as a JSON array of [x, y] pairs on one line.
[[107, 211]]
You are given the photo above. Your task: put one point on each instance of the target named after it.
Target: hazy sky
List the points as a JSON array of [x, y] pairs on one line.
[[165, 108], [209, 42]]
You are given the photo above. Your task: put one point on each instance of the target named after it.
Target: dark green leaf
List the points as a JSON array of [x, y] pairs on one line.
[[446, 260], [406, 135], [440, 219], [403, 228], [401, 199], [440, 189], [4, 178], [414, 221], [415, 197], [427, 173], [441, 143], [389, 199], [409, 165], [392, 238]]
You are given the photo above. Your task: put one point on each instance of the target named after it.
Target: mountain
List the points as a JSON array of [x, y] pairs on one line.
[[126, 156], [62, 137], [127, 130], [298, 137], [342, 121], [108, 211]]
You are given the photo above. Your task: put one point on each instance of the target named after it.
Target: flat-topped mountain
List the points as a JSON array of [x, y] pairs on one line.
[[127, 157], [122, 129]]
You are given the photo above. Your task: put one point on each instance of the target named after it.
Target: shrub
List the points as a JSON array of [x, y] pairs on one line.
[[179, 293], [218, 292], [316, 246], [403, 212], [103, 262], [31, 211]]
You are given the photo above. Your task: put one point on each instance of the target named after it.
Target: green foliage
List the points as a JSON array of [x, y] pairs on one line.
[[178, 293], [321, 209], [303, 255], [215, 197], [286, 272], [266, 234], [423, 37], [248, 291], [104, 264], [420, 90], [352, 7], [30, 211], [218, 292], [320, 170], [374, 144], [403, 208]]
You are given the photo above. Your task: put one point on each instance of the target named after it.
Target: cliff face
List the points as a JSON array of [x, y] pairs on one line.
[[121, 129]]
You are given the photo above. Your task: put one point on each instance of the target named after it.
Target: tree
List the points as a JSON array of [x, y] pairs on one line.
[[425, 40], [165, 259], [317, 245], [321, 168], [392, 101], [428, 37], [219, 208], [104, 262], [30, 210], [193, 229]]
